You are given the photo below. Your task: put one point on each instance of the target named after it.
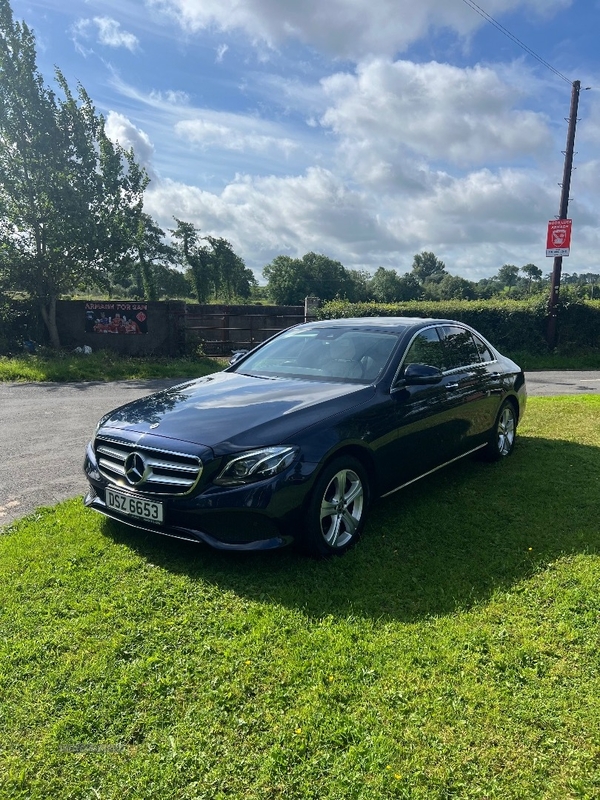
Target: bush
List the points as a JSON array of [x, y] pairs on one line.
[[18, 322], [512, 325]]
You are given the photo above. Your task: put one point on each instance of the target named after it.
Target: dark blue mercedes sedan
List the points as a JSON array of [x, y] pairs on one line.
[[295, 439]]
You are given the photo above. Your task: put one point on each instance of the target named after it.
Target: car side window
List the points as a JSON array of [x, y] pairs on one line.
[[460, 349], [484, 351], [426, 348]]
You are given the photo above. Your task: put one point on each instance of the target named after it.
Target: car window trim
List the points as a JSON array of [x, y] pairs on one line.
[[445, 372]]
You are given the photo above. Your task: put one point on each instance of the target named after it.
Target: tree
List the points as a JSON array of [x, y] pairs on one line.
[[387, 286], [453, 287], [533, 273], [230, 276], [290, 280], [70, 199], [487, 287], [508, 275], [409, 288], [215, 270], [5, 308], [138, 269], [384, 286], [170, 282], [197, 257], [151, 249], [359, 293], [592, 279], [329, 278], [427, 267]]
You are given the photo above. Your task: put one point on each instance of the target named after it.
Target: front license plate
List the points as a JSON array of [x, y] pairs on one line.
[[134, 506]]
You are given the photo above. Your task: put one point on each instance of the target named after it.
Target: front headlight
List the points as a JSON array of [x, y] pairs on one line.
[[256, 465]]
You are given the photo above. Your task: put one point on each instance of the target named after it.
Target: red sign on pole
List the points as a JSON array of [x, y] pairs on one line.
[[558, 241]]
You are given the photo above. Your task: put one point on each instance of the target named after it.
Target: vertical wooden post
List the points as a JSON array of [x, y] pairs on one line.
[[562, 214]]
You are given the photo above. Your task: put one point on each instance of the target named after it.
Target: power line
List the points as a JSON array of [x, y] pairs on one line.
[[513, 38]]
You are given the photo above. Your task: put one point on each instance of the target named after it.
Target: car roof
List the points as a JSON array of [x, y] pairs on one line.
[[390, 324]]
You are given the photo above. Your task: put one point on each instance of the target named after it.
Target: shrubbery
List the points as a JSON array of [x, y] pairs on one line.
[[512, 325], [19, 321]]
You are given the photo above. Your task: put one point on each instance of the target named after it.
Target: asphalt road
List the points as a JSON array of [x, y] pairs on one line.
[[44, 428]]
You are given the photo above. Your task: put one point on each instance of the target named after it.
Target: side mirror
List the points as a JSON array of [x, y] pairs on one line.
[[237, 355], [420, 375]]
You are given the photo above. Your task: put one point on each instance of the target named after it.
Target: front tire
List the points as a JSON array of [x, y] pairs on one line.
[[337, 510], [502, 437]]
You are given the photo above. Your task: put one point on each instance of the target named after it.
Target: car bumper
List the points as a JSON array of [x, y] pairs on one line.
[[260, 516]]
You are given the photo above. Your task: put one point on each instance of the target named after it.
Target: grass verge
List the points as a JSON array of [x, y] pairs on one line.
[[452, 654], [102, 365]]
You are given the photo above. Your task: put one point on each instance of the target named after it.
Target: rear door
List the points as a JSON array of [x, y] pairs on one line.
[[466, 380]]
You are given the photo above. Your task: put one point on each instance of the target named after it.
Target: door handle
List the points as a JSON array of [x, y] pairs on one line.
[[451, 386]]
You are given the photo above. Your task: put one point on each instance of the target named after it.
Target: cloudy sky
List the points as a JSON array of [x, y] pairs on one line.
[[368, 130]]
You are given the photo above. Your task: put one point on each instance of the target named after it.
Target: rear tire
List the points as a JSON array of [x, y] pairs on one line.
[[337, 509], [502, 438]]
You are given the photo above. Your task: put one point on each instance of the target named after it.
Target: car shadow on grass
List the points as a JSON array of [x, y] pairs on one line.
[[442, 545]]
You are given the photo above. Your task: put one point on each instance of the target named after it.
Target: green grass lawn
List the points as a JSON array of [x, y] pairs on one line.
[[454, 653], [102, 365]]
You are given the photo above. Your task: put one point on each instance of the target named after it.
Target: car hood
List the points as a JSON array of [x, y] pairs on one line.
[[226, 411]]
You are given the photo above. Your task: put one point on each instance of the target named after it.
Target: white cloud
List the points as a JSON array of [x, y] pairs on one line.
[[107, 31], [588, 176], [215, 134], [170, 97], [483, 206], [267, 216], [209, 129], [588, 130], [120, 129], [81, 33], [437, 111], [343, 28], [111, 34]]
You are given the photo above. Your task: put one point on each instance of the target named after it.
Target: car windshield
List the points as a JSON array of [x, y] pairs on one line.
[[323, 354]]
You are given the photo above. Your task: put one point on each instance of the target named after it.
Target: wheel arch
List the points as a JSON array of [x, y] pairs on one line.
[[515, 404], [362, 455]]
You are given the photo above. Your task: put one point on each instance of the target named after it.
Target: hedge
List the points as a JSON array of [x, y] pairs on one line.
[[512, 325]]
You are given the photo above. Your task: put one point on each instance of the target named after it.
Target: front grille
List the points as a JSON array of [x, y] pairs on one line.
[[147, 469]]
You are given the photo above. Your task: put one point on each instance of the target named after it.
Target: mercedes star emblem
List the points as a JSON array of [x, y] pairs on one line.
[[135, 468]]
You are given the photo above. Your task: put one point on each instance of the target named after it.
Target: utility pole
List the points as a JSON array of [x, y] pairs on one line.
[[562, 214]]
